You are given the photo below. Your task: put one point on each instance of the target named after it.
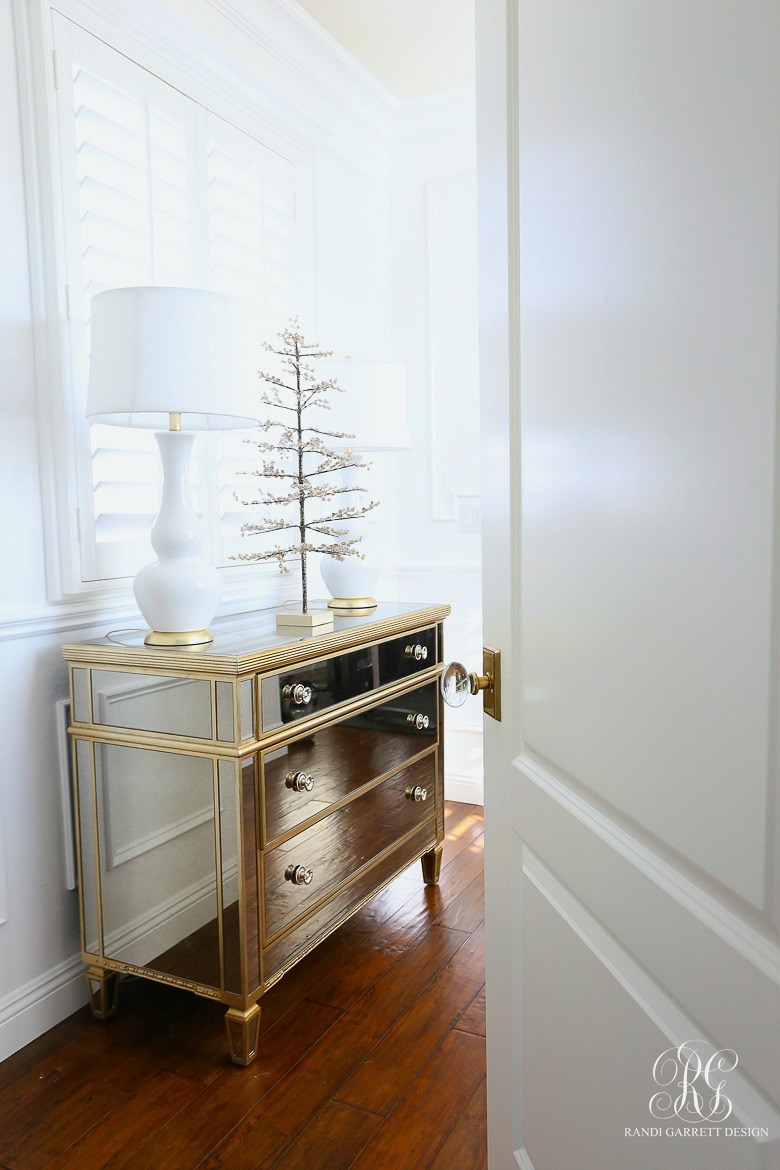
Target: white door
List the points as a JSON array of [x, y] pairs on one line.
[[629, 175]]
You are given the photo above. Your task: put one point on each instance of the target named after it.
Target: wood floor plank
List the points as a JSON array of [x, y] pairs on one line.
[[201, 1125], [473, 1019], [430, 1109], [455, 810], [332, 1141], [465, 1147], [128, 1126], [467, 910], [54, 1103], [383, 1077], [462, 834], [264, 1135]]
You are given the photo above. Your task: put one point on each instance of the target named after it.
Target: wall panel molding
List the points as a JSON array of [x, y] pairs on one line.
[[451, 214], [3, 884]]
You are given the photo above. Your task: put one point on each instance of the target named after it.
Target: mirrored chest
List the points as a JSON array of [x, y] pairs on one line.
[[235, 804]]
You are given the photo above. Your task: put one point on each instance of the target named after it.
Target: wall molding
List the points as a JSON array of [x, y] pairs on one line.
[[321, 62], [463, 789], [32, 1009], [3, 884], [522, 1159], [442, 509]]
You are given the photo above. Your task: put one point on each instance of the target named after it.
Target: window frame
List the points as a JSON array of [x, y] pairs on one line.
[[152, 38]]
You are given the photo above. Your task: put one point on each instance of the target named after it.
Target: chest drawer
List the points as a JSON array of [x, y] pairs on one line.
[[310, 689], [313, 864], [304, 777]]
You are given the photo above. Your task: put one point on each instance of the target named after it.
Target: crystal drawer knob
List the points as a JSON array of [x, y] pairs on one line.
[[299, 781], [418, 720], [415, 793], [298, 694], [416, 652], [299, 875]]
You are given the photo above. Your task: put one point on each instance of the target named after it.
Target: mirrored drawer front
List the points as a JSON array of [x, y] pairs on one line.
[[311, 865], [305, 777], [307, 690]]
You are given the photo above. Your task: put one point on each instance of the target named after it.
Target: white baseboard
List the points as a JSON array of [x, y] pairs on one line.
[[464, 789], [43, 1002]]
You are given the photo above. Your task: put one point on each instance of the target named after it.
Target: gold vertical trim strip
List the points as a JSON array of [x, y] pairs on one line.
[[90, 708], [96, 841], [259, 774], [74, 773], [218, 874], [243, 925]]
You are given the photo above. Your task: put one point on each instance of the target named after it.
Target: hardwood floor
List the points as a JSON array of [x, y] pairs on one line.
[[372, 1054]]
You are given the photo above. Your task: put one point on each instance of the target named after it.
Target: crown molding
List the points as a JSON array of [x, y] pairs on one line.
[[319, 60]]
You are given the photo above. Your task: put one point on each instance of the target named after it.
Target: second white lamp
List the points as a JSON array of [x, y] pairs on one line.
[[181, 359]]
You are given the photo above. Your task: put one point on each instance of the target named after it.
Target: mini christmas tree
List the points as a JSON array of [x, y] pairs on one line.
[[303, 464]]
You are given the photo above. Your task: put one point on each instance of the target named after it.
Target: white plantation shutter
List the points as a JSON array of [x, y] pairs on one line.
[[252, 253], [157, 190]]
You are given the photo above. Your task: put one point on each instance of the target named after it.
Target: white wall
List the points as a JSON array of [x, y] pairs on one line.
[[273, 55], [436, 485]]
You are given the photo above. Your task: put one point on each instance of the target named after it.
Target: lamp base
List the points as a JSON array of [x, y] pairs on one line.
[[353, 604], [177, 594], [178, 638]]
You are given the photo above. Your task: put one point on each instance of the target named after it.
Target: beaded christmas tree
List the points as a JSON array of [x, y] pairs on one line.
[[300, 459]]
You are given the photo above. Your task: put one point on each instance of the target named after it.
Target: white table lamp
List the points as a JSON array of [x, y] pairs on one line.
[[373, 409], [185, 360]]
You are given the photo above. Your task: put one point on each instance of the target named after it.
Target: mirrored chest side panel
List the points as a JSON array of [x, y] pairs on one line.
[[235, 804]]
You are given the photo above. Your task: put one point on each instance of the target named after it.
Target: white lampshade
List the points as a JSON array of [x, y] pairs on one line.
[[160, 350], [372, 407]]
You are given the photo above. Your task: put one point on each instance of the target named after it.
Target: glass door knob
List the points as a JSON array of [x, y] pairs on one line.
[[457, 684]]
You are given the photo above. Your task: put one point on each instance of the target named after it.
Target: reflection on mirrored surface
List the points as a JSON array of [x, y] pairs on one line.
[[147, 702], [246, 711], [226, 730], [251, 884], [80, 695], [305, 690], [86, 828], [158, 860], [302, 779], [230, 854]]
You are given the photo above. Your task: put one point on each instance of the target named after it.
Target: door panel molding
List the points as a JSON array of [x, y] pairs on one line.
[[750, 1106], [736, 922], [616, 876]]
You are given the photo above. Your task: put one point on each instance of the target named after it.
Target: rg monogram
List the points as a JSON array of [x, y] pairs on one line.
[[698, 1080]]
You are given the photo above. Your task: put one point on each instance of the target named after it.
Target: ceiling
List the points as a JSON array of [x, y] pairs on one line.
[[413, 47]]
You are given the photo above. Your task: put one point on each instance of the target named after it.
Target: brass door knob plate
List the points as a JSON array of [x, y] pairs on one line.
[[457, 683]]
